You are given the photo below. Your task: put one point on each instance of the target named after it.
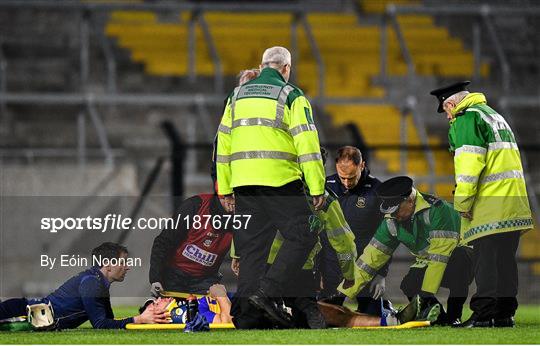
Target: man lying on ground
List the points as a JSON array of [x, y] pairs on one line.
[[216, 308], [86, 296]]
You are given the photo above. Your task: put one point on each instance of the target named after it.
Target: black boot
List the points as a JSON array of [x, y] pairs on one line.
[[452, 316], [474, 322], [272, 310], [507, 322]]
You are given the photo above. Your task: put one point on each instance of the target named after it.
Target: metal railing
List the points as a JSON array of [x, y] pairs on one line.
[[3, 84], [93, 17], [481, 13], [316, 54], [501, 56], [410, 107], [88, 12], [218, 69]]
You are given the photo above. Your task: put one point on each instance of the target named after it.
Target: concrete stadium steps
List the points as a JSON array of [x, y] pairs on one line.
[[38, 50]]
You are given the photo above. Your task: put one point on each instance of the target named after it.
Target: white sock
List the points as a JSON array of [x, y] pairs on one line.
[[390, 320]]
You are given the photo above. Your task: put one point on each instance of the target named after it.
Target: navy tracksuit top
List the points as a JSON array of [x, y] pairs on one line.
[[85, 297]]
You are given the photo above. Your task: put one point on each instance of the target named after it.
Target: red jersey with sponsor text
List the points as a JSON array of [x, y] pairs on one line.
[[204, 248]]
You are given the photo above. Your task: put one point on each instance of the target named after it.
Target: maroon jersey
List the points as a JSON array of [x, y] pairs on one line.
[[202, 251]]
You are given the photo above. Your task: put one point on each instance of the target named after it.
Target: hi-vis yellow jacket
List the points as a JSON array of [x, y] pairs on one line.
[[267, 137], [431, 236], [488, 171]]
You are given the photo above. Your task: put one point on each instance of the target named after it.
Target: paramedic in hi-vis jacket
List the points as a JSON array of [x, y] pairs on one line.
[[429, 228], [268, 143], [491, 197]]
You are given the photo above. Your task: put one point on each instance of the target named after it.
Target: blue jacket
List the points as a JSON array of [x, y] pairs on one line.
[[360, 206], [85, 297]]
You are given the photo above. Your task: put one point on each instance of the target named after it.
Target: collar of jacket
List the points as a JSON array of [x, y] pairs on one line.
[[420, 203], [364, 175], [272, 72], [97, 271], [362, 181], [469, 100]]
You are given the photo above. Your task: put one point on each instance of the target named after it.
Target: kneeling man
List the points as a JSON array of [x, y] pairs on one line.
[[430, 228]]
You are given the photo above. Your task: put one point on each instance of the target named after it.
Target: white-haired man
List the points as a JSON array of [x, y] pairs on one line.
[[268, 142], [491, 197]]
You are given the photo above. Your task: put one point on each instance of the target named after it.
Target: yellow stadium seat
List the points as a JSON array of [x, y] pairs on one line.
[[350, 51]]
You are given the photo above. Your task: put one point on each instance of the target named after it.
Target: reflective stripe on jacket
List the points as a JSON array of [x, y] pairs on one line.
[[431, 236], [488, 171], [267, 137]]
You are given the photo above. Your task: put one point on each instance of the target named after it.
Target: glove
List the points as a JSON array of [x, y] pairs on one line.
[[235, 266], [377, 286], [156, 289]]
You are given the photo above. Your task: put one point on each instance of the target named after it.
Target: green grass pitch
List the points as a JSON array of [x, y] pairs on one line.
[[527, 331]]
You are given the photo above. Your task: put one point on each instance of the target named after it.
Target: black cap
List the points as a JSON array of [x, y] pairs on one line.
[[443, 93], [394, 191]]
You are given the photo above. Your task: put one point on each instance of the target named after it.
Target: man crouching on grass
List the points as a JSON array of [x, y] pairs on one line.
[[86, 296]]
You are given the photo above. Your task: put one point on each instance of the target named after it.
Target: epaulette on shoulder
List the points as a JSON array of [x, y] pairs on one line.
[[431, 199], [297, 89]]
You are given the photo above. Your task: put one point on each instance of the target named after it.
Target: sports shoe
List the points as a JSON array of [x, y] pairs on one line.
[[474, 322], [410, 311], [271, 309], [314, 317], [430, 313], [507, 322]]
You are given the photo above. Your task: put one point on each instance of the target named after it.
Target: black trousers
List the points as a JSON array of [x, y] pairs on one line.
[[457, 278], [14, 307], [300, 298], [496, 276], [271, 208]]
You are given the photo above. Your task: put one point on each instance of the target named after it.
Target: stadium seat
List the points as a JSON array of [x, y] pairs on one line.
[[350, 51], [379, 6]]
